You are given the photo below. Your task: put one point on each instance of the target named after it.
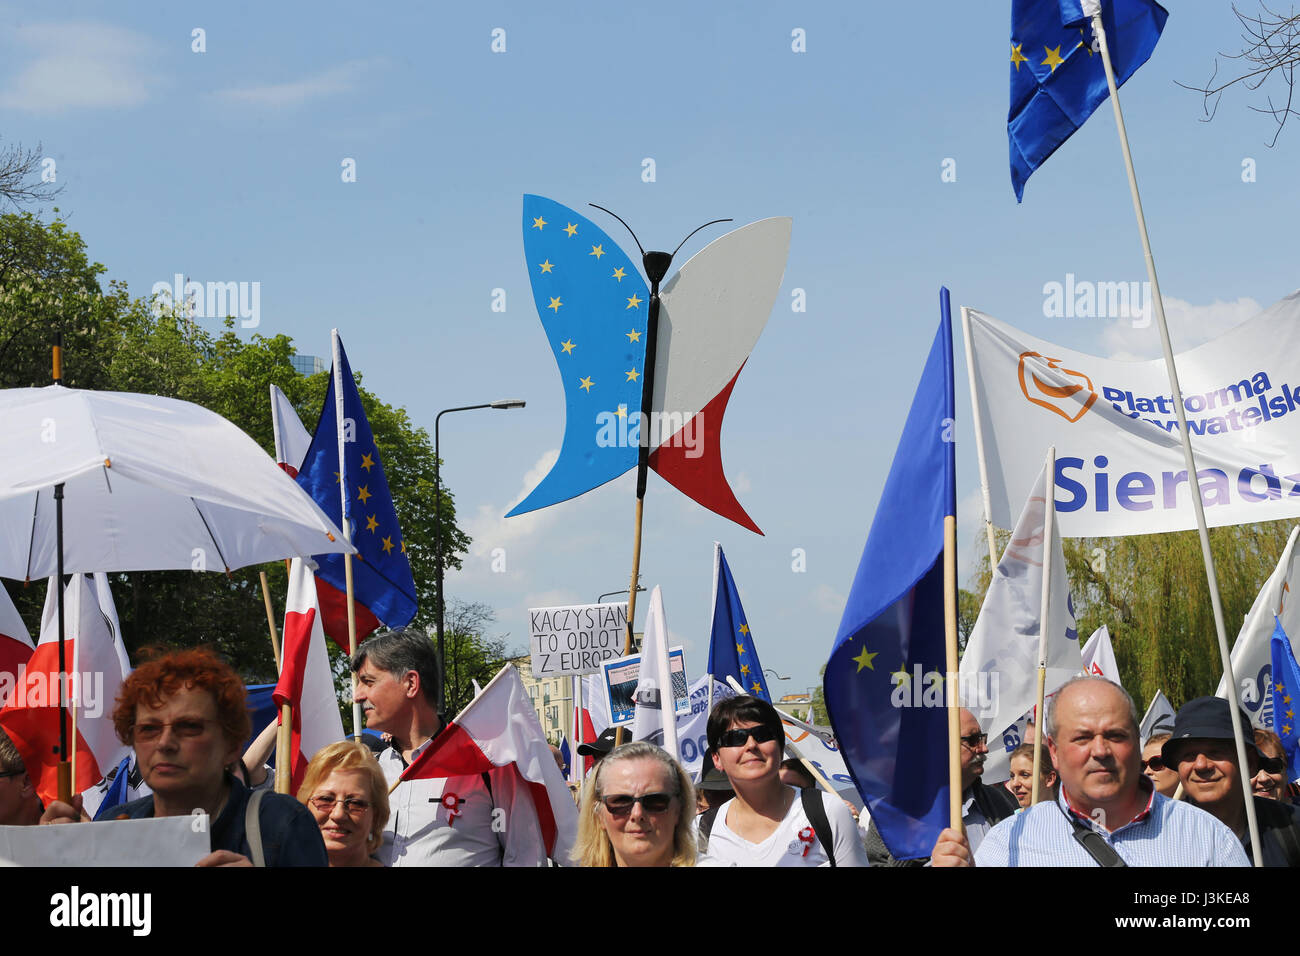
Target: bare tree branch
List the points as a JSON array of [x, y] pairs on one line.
[[1271, 49], [21, 182]]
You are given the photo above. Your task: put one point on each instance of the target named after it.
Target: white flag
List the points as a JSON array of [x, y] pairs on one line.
[[1119, 458], [1099, 656], [654, 687], [999, 671], [1252, 661], [1159, 718], [292, 440]]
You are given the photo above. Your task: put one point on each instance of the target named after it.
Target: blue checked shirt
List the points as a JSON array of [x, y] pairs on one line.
[[1167, 833]]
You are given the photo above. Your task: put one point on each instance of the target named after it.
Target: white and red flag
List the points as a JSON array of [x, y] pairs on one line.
[[96, 666], [499, 728], [291, 439], [306, 682], [15, 645], [1099, 656]]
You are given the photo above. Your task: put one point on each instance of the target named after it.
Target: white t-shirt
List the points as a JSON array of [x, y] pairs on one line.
[[792, 843]]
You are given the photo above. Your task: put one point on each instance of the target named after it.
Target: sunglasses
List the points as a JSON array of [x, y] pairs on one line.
[[352, 806], [974, 740], [739, 737], [1155, 763], [620, 805]]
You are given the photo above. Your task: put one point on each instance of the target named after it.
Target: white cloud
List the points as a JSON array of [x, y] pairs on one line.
[[340, 79], [489, 528], [79, 65], [741, 484], [1189, 326], [828, 600]]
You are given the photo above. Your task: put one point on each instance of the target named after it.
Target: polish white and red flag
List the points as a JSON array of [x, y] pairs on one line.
[[499, 728], [291, 439], [15, 645], [306, 682], [96, 664]]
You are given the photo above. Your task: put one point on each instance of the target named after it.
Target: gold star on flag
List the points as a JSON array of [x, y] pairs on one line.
[[1017, 57], [757, 689], [371, 523], [388, 545], [596, 251], [744, 670], [902, 674], [555, 304], [618, 274], [1286, 728], [1290, 715], [367, 462], [632, 375], [633, 336], [539, 223], [1083, 44], [546, 266], [865, 658], [338, 477], [1279, 688], [622, 411], [403, 547], [567, 346], [1053, 57], [363, 493], [1286, 700], [633, 302], [571, 228], [585, 384], [744, 629]]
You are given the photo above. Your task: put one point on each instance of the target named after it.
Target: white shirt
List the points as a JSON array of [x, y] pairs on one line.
[[455, 821], [792, 843]]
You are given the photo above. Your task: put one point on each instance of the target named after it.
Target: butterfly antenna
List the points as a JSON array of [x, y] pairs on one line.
[[627, 227], [706, 225]]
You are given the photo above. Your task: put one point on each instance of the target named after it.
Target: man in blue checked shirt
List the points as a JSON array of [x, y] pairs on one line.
[[1107, 812]]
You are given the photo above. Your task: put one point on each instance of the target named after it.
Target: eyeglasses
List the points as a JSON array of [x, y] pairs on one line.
[[352, 806], [11, 773], [620, 804], [974, 741], [1155, 763], [185, 727], [739, 737]]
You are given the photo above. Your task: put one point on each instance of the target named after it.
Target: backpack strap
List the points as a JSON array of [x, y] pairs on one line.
[[253, 828], [706, 827], [1093, 842], [815, 810]]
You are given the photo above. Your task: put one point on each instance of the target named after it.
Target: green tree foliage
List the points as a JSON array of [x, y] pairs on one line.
[[48, 285], [1151, 593]]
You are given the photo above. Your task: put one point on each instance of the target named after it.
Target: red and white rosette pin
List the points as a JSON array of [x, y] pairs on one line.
[[451, 803], [806, 837]]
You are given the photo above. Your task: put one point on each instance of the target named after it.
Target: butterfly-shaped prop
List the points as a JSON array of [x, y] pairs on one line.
[[594, 304]]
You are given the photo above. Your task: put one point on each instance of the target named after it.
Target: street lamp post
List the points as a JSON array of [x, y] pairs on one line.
[[437, 528]]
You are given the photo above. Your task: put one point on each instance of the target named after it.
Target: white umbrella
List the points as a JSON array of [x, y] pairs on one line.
[[149, 483]]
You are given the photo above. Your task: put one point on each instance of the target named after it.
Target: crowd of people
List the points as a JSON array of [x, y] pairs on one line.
[[1103, 798]]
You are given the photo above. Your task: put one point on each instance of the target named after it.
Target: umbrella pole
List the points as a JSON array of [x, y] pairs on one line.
[[64, 767]]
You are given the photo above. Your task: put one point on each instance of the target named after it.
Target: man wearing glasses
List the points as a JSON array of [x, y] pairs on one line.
[[768, 823]]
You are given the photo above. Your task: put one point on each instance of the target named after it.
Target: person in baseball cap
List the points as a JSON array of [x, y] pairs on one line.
[[1203, 751], [603, 745]]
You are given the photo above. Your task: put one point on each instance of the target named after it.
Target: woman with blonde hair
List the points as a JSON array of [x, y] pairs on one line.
[[346, 792], [637, 810]]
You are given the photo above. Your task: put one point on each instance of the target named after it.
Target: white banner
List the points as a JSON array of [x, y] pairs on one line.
[[1119, 459], [575, 639], [1252, 658]]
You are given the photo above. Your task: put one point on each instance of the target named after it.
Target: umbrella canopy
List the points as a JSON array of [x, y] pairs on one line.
[[150, 484]]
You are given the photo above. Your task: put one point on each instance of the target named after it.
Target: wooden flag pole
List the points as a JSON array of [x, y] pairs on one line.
[[345, 514], [1198, 506], [950, 643], [352, 632], [1044, 608], [270, 619], [283, 741]]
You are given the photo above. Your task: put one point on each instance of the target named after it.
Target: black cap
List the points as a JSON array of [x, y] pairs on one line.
[[714, 779], [1205, 718], [603, 745]]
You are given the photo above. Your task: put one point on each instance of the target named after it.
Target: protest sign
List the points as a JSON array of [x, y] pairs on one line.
[[156, 841], [620, 679], [575, 639]]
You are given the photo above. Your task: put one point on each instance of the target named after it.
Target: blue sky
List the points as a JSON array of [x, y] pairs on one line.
[[227, 165]]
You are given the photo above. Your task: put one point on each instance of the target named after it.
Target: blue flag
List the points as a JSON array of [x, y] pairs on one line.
[[882, 695], [1286, 684], [731, 647], [594, 308], [565, 755], [1057, 77], [381, 573]]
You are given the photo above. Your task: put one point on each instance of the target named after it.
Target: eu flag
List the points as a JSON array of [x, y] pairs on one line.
[[594, 307], [381, 573], [889, 657], [1057, 77], [731, 647], [1286, 683]]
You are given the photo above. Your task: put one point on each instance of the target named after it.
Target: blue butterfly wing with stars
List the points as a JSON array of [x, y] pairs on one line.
[[594, 307]]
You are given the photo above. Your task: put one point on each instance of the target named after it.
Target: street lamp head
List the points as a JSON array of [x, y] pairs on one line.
[[508, 403]]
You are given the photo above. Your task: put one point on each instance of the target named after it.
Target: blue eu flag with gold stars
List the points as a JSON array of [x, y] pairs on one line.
[[892, 729], [1057, 77], [731, 647], [1286, 682], [382, 583], [594, 308]]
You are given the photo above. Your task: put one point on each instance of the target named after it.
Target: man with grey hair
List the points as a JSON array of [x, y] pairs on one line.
[[476, 820], [1106, 813]]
